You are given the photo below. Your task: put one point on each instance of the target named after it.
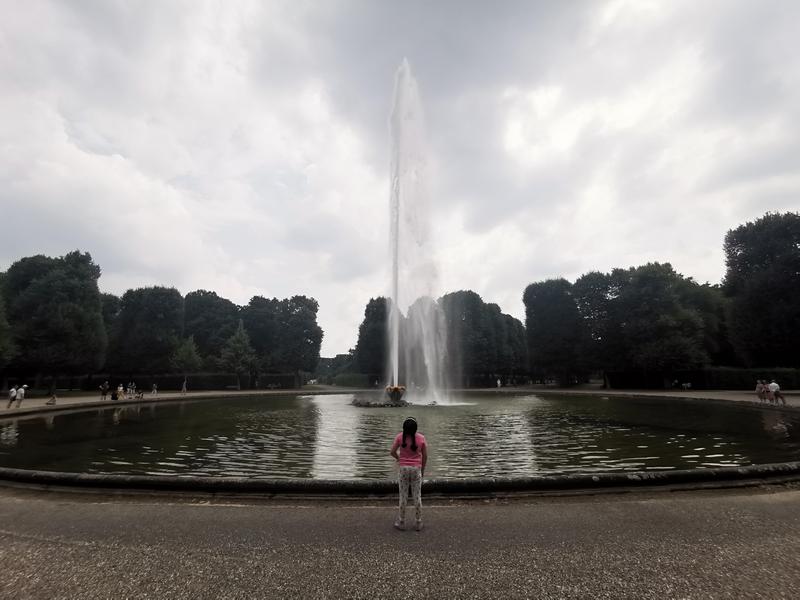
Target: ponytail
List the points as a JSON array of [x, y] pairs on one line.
[[410, 429]]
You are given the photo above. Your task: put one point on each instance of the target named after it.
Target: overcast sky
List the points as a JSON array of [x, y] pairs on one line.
[[242, 147]]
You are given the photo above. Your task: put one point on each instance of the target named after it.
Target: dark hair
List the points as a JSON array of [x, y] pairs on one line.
[[410, 429]]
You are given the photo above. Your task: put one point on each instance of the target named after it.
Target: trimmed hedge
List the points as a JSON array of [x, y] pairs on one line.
[[712, 378], [359, 380]]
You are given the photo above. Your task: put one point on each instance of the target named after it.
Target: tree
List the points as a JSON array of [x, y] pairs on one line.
[[298, 336], [762, 280], [660, 332], [237, 354], [148, 330], [260, 318], [186, 359], [371, 349], [54, 310], [110, 307], [6, 344], [211, 320], [555, 330], [482, 342]]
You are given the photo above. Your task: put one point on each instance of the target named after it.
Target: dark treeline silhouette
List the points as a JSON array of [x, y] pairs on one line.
[[649, 326], [482, 345], [55, 322], [644, 326]]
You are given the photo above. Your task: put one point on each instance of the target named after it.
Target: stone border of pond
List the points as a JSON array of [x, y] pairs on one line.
[[557, 484], [720, 477]]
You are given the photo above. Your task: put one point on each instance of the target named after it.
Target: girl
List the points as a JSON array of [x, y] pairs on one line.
[[411, 452]]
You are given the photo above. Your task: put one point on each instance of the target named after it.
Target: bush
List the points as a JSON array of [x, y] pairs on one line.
[[712, 378], [359, 380]]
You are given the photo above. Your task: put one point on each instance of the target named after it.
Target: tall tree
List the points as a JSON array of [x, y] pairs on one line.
[[555, 330], [238, 355], [299, 336], [762, 279], [372, 343], [148, 330], [6, 344], [210, 319], [260, 318], [661, 331], [186, 359], [54, 310]]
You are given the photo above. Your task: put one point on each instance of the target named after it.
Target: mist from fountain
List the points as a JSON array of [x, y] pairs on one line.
[[417, 340]]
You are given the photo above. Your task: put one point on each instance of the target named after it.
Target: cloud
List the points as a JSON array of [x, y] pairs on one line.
[[244, 148]]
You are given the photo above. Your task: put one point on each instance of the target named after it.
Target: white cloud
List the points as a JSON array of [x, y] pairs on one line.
[[244, 148]]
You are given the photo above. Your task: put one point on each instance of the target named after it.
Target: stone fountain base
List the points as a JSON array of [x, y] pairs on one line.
[[394, 399]]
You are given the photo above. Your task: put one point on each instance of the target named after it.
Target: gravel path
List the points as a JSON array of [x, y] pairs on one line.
[[671, 545]]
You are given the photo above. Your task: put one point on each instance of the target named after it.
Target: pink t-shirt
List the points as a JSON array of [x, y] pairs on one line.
[[408, 457]]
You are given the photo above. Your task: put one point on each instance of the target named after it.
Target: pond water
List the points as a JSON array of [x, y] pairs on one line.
[[325, 437]]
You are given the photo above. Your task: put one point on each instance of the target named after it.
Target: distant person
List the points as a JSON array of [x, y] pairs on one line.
[[411, 453], [21, 394], [183, 387], [760, 390], [104, 391], [120, 392], [12, 396], [52, 400], [499, 383], [115, 393], [774, 391], [154, 391]]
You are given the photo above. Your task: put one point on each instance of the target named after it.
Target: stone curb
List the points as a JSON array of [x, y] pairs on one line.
[[689, 479]]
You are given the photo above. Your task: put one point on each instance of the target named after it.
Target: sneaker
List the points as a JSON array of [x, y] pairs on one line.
[[399, 525], [418, 526]]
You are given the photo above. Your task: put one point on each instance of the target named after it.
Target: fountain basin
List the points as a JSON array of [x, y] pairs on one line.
[[324, 445]]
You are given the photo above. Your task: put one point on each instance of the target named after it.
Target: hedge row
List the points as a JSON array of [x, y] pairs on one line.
[[712, 378]]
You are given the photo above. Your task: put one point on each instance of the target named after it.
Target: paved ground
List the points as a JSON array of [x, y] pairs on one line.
[[672, 545]]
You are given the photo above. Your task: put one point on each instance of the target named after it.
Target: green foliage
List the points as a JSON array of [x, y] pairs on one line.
[[210, 319], [555, 329], [110, 307], [147, 331], [237, 354], [328, 368], [284, 333], [6, 343], [54, 311], [372, 346], [186, 359], [482, 342], [357, 380], [763, 282]]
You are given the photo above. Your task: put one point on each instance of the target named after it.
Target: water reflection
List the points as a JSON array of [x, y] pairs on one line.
[[326, 437]]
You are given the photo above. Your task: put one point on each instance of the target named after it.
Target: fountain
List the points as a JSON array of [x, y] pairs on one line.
[[418, 338]]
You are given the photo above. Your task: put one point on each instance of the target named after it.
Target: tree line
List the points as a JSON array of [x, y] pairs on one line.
[[643, 324], [649, 322], [55, 321], [482, 343]]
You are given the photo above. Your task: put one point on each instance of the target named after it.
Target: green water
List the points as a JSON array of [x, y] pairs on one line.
[[325, 437]]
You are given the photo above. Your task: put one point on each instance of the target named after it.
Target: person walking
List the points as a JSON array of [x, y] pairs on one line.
[[104, 390], [12, 395], [410, 451], [21, 394], [760, 390], [774, 392], [183, 387], [154, 391]]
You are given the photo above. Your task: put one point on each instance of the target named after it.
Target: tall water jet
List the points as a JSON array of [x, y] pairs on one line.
[[418, 339]]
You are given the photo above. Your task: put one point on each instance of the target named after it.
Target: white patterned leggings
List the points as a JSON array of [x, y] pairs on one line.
[[410, 476]]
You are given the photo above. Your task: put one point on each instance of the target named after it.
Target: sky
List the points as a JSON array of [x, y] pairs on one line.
[[243, 147]]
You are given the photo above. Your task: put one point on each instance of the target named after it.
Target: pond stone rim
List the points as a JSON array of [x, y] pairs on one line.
[[737, 476]]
